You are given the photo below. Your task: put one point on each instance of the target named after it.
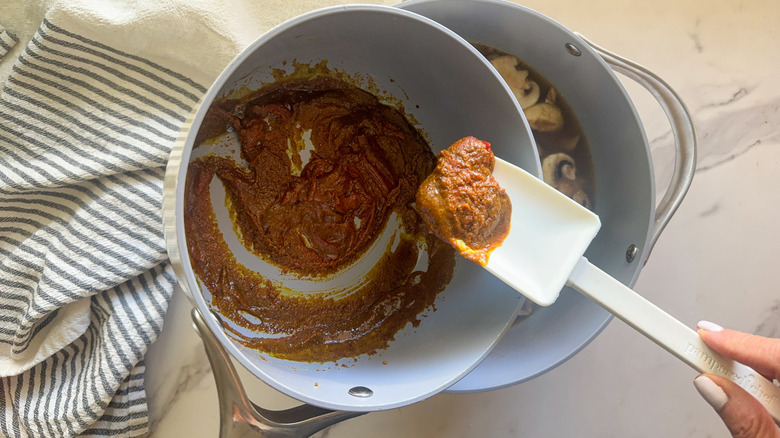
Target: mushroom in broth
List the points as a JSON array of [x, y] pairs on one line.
[[563, 148]]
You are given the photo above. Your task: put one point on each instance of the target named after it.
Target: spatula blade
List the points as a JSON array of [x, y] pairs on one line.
[[548, 236]]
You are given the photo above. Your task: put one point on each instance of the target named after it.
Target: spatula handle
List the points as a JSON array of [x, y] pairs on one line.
[[669, 333]]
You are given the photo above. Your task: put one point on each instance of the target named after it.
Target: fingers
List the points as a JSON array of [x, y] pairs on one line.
[[760, 353], [743, 415]]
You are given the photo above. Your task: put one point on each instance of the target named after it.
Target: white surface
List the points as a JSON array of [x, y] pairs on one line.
[[715, 261], [670, 333]]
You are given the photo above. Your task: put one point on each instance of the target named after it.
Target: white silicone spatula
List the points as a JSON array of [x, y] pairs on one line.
[[544, 251]]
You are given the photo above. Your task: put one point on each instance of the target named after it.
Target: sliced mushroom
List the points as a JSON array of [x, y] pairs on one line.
[[559, 171], [529, 95], [507, 68], [551, 96], [525, 90], [557, 167], [544, 117]]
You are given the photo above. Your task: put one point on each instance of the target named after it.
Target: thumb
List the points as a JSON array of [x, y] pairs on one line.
[[743, 415]]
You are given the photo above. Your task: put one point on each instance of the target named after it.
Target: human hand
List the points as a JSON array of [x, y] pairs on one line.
[[744, 416]]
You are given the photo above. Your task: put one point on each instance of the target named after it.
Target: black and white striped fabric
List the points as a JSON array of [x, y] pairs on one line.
[[85, 133], [7, 41]]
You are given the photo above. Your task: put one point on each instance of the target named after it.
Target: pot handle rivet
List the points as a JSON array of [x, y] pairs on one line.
[[631, 253], [360, 391], [573, 50]]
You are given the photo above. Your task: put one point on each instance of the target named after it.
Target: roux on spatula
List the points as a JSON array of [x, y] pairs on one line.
[[462, 203]]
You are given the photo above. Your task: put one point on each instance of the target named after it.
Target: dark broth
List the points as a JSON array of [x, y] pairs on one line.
[[556, 142]]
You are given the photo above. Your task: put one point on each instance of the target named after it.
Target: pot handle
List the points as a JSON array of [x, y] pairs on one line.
[[240, 418], [682, 131]]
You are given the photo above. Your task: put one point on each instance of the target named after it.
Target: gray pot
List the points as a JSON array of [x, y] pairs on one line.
[[452, 91]]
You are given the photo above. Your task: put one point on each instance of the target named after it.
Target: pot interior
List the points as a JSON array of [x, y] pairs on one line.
[[452, 92], [624, 187]]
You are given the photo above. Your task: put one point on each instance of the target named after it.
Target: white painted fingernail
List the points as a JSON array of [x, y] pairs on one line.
[[711, 392], [709, 326]]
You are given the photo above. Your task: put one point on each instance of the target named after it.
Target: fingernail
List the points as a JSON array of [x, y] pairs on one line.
[[709, 326], [711, 392]]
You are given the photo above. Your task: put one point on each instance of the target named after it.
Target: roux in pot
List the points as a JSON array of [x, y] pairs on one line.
[[315, 216]]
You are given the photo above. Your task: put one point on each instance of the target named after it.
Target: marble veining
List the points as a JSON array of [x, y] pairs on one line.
[[696, 40], [742, 92], [736, 132], [194, 372], [770, 324], [711, 211]]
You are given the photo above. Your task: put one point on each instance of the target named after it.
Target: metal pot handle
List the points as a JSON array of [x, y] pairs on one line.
[[682, 131], [240, 418]]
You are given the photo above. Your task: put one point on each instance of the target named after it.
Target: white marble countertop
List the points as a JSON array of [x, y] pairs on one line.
[[714, 261]]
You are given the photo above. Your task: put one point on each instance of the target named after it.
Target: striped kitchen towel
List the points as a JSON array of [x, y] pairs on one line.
[[88, 116], [7, 41]]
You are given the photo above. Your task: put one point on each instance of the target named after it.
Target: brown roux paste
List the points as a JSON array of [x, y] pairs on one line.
[[367, 162], [462, 203]]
